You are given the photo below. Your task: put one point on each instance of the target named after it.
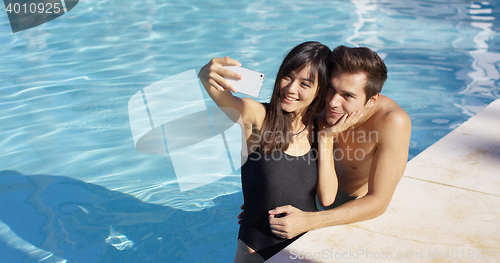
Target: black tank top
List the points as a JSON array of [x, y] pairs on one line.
[[272, 180]]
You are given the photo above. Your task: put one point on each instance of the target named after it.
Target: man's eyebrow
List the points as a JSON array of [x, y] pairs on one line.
[[346, 92], [351, 94]]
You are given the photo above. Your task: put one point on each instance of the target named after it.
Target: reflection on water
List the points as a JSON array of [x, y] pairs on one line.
[[65, 85], [484, 72], [118, 240], [11, 239], [59, 217]]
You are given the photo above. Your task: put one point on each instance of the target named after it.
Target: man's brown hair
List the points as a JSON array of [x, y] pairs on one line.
[[364, 60]]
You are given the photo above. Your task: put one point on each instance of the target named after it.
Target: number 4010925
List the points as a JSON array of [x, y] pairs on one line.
[[33, 8]]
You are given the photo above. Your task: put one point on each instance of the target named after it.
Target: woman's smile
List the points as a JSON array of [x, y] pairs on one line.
[[289, 99]]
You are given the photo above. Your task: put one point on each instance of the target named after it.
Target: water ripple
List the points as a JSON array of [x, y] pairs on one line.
[[65, 85]]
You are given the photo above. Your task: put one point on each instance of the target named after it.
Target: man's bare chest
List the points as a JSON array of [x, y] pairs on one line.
[[353, 154], [355, 147]]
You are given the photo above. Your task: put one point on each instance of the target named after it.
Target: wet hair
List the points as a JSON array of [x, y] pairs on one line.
[[276, 131], [365, 60]]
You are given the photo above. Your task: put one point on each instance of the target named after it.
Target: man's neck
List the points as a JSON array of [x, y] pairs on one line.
[[367, 114]]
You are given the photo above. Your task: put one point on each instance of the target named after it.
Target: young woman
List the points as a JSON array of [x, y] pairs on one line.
[[282, 143]]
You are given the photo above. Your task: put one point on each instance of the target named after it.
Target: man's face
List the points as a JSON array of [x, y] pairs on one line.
[[345, 95]]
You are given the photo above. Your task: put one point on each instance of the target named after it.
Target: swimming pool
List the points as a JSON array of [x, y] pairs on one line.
[[73, 186]]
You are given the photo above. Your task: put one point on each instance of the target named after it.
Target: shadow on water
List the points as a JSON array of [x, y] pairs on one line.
[[82, 222]]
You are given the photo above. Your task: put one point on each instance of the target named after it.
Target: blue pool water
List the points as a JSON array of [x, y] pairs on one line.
[[72, 185]]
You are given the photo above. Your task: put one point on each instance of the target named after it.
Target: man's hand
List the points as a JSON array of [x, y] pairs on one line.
[[288, 222]]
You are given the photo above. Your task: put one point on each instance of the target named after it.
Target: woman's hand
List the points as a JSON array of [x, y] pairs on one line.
[[240, 216], [327, 186], [213, 74], [344, 123]]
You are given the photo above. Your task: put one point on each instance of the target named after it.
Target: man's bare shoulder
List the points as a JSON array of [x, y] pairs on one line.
[[391, 120], [390, 115]]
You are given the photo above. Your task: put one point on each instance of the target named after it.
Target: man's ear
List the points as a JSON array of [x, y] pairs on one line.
[[372, 100]]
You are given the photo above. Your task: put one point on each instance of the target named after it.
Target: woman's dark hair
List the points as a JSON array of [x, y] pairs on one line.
[[276, 131]]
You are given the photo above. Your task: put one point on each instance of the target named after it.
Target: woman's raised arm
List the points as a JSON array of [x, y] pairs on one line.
[[213, 75]]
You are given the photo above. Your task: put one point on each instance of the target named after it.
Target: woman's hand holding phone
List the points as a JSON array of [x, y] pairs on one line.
[[227, 73], [216, 75]]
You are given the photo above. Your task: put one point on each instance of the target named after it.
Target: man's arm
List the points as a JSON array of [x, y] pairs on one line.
[[387, 168]]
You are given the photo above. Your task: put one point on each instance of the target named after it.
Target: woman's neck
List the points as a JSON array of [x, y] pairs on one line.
[[299, 123]]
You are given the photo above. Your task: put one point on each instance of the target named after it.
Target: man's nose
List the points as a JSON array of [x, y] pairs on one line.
[[334, 101]]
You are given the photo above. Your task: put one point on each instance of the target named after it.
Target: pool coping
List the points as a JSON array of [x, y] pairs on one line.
[[445, 207]]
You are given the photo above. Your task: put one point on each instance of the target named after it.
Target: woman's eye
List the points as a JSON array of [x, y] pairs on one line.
[[305, 85]]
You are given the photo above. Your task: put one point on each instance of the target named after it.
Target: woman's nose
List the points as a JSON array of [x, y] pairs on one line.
[[291, 87]]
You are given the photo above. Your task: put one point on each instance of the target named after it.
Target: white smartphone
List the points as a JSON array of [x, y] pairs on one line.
[[250, 84]]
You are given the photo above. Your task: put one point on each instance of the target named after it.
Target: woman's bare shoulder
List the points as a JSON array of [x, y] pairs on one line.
[[254, 112]]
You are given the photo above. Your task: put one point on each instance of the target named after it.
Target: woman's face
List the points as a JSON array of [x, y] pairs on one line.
[[297, 90]]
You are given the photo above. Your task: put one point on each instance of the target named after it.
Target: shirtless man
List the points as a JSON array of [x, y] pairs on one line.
[[369, 158]]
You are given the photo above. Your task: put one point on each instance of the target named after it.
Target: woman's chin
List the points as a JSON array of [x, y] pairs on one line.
[[287, 107]]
